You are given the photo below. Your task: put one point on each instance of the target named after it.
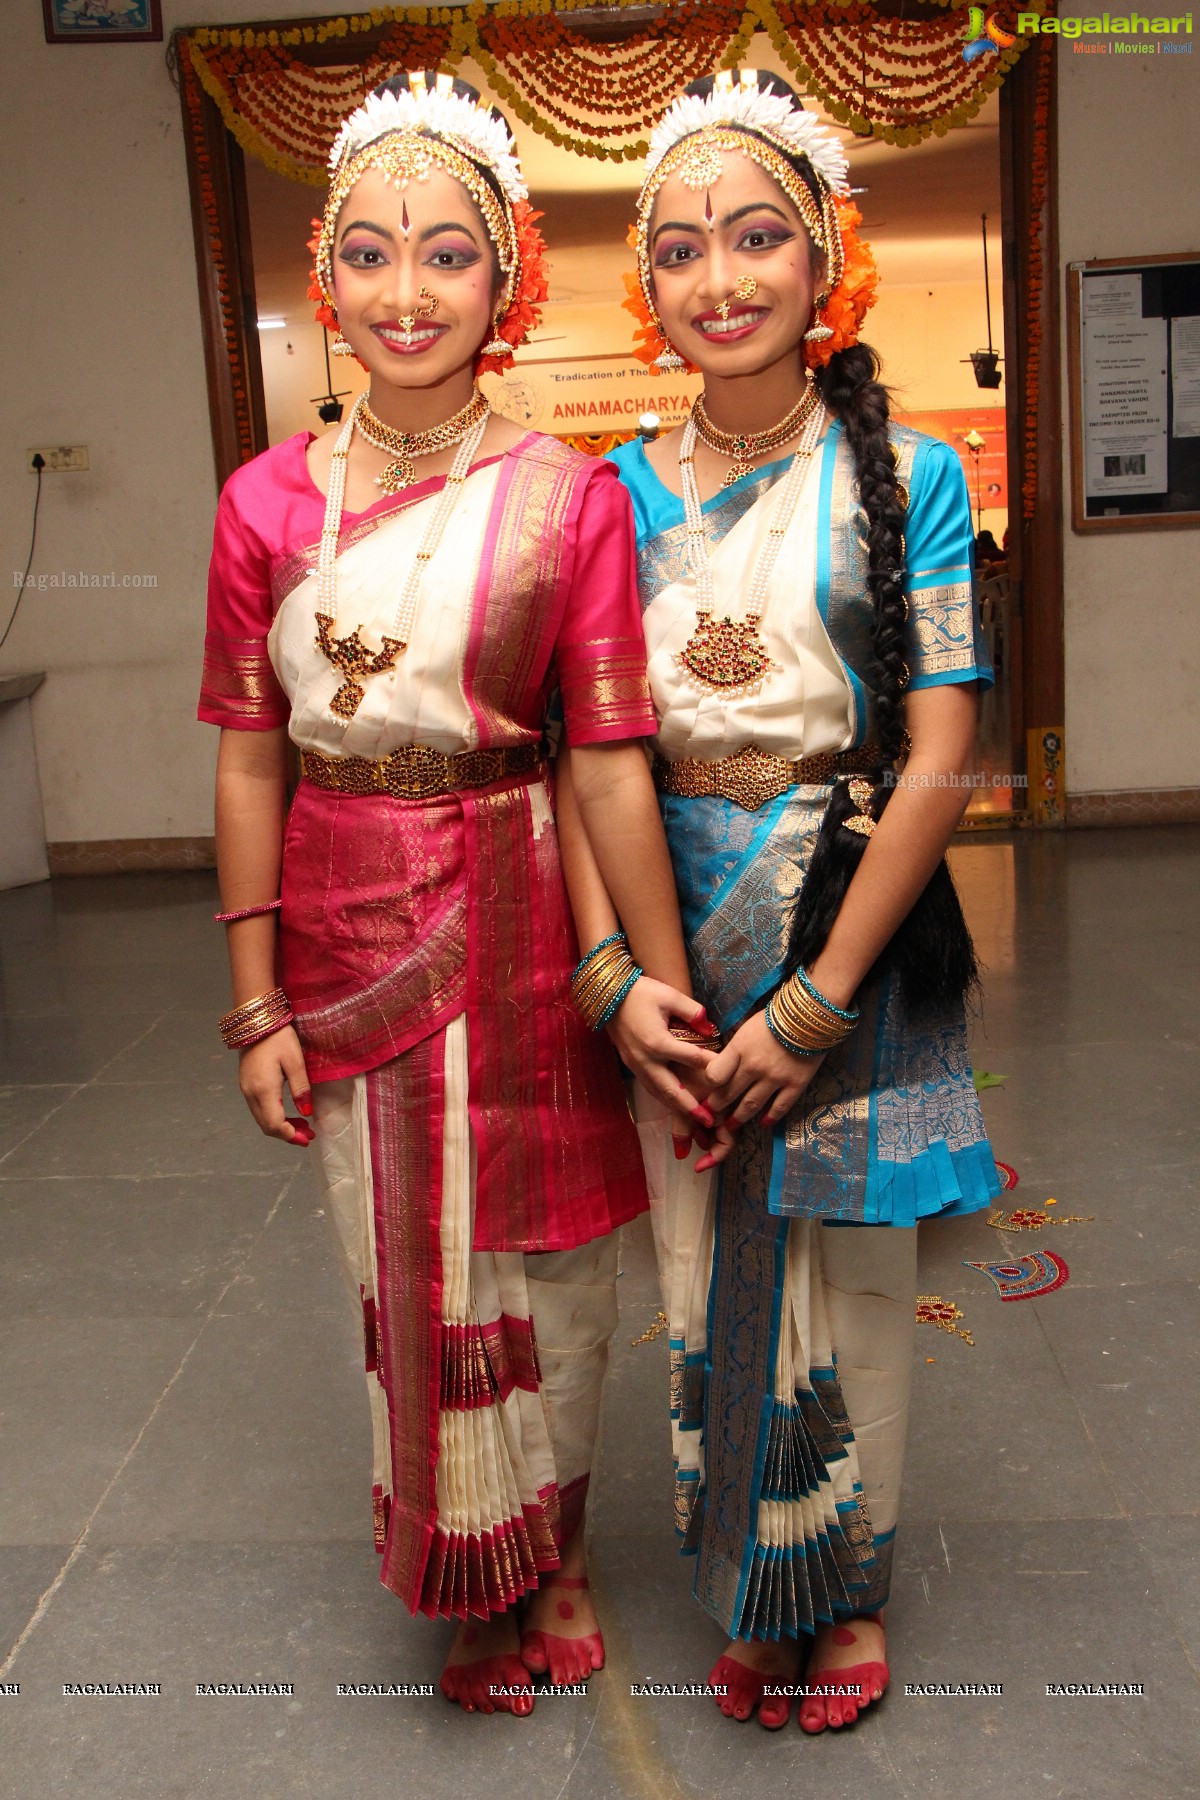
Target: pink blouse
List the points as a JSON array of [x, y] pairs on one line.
[[585, 640]]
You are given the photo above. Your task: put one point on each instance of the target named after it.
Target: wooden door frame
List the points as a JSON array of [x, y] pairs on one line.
[[1035, 539]]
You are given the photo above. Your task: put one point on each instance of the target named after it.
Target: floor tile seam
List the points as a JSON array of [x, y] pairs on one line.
[[170, 1175], [46, 1600], [75, 1088], [205, 1174], [125, 1049], [36, 1087], [1102, 1462]]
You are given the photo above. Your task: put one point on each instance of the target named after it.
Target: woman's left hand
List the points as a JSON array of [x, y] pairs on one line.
[[642, 1035], [754, 1077]]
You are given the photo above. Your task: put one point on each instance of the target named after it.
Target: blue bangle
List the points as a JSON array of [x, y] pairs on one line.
[[794, 1049], [810, 988], [611, 1010], [618, 937]]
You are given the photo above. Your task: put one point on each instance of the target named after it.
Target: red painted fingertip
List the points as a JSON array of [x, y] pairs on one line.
[[705, 1162], [682, 1146], [304, 1102], [701, 1112], [764, 1119], [304, 1133]]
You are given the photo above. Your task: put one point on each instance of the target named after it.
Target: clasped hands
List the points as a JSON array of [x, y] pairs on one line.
[[710, 1093]]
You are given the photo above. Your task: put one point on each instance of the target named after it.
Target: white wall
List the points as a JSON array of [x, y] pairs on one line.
[[1129, 149], [103, 348]]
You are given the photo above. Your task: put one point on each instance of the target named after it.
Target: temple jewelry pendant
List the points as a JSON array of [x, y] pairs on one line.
[[397, 476], [351, 658], [740, 466], [727, 656]]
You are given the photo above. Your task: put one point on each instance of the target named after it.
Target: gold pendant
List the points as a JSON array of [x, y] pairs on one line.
[[727, 656], [351, 658], [397, 476], [737, 470]]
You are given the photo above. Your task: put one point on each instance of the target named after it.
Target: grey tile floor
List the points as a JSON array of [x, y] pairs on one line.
[[183, 1475]]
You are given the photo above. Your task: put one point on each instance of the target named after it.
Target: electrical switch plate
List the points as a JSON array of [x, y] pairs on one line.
[[59, 459]]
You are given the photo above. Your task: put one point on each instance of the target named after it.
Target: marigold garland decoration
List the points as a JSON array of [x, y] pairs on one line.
[[886, 77]]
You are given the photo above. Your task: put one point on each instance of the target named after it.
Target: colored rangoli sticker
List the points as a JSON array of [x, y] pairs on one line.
[[1008, 1176], [1028, 1277], [933, 1310]]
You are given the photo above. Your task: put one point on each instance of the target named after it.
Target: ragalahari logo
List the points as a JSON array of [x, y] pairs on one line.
[[984, 36]]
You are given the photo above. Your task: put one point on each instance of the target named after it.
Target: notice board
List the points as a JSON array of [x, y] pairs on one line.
[[1134, 358]]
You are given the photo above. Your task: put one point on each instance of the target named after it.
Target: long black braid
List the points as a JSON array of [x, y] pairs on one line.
[[931, 951]]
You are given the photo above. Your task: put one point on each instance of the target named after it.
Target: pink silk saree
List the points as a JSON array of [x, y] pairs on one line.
[[402, 918]]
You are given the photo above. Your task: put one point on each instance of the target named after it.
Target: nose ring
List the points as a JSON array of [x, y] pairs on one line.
[[408, 320], [744, 288]]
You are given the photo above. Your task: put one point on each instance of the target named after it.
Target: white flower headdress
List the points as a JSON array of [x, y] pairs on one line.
[[738, 100], [442, 113]]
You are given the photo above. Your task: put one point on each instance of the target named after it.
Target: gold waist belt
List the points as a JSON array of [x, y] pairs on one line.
[[753, 776], [415, 772]]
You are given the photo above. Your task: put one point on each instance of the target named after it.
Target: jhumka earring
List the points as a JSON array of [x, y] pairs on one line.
[[817, 332], [668, 361], [496, 345], [339, 346]]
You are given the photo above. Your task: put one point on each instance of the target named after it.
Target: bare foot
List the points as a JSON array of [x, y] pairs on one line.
[[746, 1670], [483, 1659], [851, 1655], [561, 1635]]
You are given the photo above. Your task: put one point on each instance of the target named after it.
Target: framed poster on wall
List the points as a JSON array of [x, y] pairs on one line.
[[1133, 335], [103, 21]]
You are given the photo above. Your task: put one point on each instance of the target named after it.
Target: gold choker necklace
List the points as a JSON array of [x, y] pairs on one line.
[[405, 446], [746, 446]]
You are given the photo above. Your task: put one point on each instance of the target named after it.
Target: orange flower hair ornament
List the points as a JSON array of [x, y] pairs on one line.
[[403, 134], [739, 117], [855, 294]]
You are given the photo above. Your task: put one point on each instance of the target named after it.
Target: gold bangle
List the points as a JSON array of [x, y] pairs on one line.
[[254, 1019]]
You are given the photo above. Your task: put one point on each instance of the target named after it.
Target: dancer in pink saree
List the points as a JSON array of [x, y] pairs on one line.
[[476, 1147]]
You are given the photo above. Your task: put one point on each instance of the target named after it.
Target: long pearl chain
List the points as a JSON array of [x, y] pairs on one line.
[[406, 607]]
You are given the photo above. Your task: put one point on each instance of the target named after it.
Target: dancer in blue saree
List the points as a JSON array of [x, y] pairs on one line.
[[805, 577]]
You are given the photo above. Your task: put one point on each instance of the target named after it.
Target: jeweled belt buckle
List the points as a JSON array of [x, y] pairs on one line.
[[414, 772], [753, 777]]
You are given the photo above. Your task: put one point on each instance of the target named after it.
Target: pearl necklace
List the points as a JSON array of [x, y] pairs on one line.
[[746, 446], [405, 446], [349, 655], [727, 655]]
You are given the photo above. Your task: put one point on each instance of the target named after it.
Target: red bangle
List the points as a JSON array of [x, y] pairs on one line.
[[247, 912]]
